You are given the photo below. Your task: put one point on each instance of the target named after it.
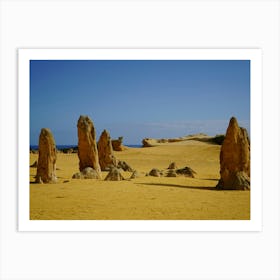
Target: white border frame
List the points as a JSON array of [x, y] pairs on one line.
[[24, 57]]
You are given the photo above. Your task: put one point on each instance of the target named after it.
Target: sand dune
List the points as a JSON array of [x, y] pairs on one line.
[[142, 198]]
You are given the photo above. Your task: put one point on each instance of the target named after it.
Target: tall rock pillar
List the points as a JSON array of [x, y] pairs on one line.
[[47, 158], [235, 158], [87, 148], [107, 159]]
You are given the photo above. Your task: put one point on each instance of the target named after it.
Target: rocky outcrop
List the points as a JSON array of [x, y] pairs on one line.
[[114, 175], [235, 159], [105, 152], [47, 158], [87, 173], [87, 148], [118, 144]]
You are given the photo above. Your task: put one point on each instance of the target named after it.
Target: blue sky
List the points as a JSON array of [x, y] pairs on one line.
[[138, 98]]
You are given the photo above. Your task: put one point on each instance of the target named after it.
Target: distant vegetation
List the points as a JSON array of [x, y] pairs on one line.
[[218, 139]]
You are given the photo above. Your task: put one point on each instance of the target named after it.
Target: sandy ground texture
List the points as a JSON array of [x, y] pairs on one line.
[[144, 198]]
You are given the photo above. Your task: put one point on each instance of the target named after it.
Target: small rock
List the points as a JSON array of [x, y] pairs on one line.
[[114, 175], [171, 173], [77, 175], [155, 172], [186, 171], [87, 173]]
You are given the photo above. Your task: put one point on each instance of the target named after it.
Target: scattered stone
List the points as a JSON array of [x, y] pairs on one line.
[[77, 175], [87, 148], [105, 152], [235, 159], [186, 171], [47, 158], [171, 173], [66, 181], [172, 165], [35, 164], [124, 166], [114, 175], [155, 172], [87, 173]]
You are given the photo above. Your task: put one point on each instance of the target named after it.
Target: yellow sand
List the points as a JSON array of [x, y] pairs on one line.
[[143, 198]]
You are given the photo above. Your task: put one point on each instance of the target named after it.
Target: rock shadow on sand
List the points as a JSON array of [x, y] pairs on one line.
[[181, 186]]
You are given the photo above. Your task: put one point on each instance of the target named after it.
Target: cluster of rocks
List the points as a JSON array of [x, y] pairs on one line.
[[172, 171], [93, 157]]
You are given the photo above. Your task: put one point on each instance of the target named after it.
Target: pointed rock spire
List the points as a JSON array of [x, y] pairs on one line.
[[87, 148], [235, 158], [47, 158], [105, 152]]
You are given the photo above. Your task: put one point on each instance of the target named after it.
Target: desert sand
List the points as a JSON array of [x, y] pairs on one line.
[[144, 198]]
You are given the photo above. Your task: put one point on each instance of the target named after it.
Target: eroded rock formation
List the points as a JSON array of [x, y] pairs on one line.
[[118, 144], [47, 158], [87, 148], [171, 173], [87, 173], [155, 173], [235, 158], [114, 175], [105, 152], [186, 171], [124, 166]]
